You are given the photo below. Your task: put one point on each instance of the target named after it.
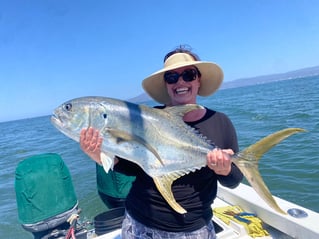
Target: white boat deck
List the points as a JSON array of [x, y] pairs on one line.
[[278, 225]]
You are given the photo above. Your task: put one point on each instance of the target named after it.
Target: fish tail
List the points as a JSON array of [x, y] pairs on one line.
[[247, 161]]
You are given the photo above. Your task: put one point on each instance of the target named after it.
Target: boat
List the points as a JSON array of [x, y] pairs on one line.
[[300, 222]]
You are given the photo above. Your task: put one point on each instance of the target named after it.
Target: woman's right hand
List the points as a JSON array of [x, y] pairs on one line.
[[90, 143]]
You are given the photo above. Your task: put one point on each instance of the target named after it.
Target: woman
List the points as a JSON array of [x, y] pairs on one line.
[[148, 215]]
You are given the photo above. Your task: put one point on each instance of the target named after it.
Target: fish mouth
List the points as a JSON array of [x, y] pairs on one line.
[[56, 120]]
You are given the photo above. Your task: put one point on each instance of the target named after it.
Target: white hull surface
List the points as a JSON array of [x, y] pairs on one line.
[[278, 225]]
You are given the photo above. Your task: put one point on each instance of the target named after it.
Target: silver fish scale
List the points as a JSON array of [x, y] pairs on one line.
[[162, 139]]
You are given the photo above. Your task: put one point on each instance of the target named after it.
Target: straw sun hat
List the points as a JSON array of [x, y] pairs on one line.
[[211, 77]]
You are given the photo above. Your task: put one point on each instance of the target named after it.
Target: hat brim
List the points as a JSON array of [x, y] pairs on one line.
[[211, 79]]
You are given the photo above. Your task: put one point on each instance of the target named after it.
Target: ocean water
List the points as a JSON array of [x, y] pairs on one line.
[[291, 169]]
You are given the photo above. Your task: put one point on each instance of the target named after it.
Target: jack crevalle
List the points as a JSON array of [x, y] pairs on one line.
[[158, 141]]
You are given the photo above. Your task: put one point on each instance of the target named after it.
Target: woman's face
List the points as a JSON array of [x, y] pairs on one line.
[[183, 92]]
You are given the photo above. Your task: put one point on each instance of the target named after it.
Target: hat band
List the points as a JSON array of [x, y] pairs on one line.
[[179, 59]]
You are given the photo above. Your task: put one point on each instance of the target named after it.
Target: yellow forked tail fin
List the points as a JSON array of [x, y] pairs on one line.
[[247, 162]]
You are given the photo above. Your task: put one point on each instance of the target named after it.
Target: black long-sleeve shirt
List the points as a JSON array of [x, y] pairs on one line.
[[195, 191]]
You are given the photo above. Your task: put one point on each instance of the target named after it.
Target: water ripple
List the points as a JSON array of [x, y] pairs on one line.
[[290, 169]]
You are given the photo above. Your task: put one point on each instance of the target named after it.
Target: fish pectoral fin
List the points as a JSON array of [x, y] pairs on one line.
[[107, 161], [122, 136], [164, 186]]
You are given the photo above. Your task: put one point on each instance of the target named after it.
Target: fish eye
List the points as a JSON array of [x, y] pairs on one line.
[[104, 115], [68, 106]]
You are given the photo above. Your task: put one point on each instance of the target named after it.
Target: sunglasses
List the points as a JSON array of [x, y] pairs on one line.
[[188, 75]]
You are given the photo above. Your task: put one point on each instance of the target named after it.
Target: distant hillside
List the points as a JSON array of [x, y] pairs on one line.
[[305, 72], [140, 98], [301, 73]]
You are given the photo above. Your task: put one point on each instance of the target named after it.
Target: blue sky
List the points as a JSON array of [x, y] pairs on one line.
[[55, 50]]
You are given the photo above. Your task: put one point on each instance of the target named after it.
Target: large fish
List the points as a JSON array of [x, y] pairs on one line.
[[158, 141]]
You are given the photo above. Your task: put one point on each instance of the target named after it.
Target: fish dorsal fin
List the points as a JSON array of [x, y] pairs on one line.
[[181, 110], [123, 136], [164, 186]]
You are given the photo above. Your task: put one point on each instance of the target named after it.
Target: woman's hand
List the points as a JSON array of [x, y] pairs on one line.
[[219, 160], [90, 143]]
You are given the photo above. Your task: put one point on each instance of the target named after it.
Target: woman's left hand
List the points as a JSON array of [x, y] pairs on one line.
[[219, 160], [90, 143]]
